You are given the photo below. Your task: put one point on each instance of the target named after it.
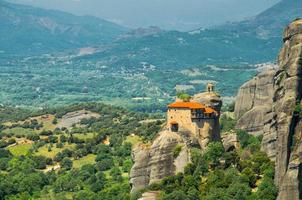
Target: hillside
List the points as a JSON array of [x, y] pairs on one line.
[[84, 151], [26, 30], [144, 67], [254, 41]]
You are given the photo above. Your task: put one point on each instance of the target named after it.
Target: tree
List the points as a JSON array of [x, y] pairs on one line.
[[249, 176], [127, 165], [244, 138], [104, 165], [5, 153], [183, 96], [40, 162], [63, 138], [67, 183], [175, 195], [214, 152], [266, 190], [116, 174], [55, 121], [84, 194], [4, 163], [66, 163]]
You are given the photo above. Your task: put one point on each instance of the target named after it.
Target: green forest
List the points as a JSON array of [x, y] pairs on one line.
[[91, 158]]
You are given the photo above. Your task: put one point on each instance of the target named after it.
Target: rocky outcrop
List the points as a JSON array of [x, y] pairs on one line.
[[152, 163], [270, 104], [254, 101], [152, 195], [254, 111], [213, 100], [288, 91], [230, 141]]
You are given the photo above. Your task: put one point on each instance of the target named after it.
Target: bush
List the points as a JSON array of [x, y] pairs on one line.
[[33, 137], [227, 124], [183, 96], [40, 162], [116, 174], [214, 152], [177, 150], [104, 165], [175, 195], [66, 164]]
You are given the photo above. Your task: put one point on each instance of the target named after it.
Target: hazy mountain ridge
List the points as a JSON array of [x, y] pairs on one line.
[[254, 41], [26, 29]]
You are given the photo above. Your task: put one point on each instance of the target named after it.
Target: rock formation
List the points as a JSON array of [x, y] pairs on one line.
[[288, 91], [230, 141], [212, 99], [253, 109], [254, 101], [189, 124], [270, 104], [152, 163]]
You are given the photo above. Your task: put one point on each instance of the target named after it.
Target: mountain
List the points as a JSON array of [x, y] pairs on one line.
[[140, 67], [26, 30], [255, 40]]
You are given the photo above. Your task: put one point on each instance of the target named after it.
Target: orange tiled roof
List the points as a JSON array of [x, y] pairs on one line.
[[191, 105], [209, 110]]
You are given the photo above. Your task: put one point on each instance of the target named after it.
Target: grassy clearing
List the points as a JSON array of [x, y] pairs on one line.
[[43, 151], [19, 150], [89, 159], [47, 122], [84, 135], [133, 139], [18, 131]]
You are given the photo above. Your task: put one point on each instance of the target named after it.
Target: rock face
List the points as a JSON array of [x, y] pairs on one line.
[[254, 111], [254, 101], [213, 100], [270, 104], [230, 141], [153, 195], [287, 101], [152, 163]]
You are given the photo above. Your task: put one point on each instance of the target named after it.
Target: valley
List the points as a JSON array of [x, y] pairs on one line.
[[51, 81]]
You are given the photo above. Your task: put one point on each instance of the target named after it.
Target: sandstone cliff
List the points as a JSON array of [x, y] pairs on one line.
[[270, 105], [287, 97], [159, 160], [253, 109]]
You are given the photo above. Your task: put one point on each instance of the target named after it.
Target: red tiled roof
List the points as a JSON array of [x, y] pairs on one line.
[[209, 110], [191, 105]]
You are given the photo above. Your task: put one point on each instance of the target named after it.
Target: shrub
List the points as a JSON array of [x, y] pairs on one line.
[[66, 163], [183, 96], [176, 151]]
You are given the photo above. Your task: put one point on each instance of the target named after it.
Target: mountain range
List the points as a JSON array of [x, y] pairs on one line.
[[254, 41], [35, 30], [29, 30], [59, 58]]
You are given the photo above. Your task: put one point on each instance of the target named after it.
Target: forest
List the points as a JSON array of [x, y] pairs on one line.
[[91, 158]]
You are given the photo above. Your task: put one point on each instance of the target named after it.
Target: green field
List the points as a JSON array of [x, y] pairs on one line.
[[19, 150], [89, 159], [18, 131]]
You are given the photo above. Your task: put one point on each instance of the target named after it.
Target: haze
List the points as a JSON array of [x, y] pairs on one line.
[[168, 14]]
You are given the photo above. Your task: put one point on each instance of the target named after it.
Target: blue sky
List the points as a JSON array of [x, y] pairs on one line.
[[167, 14]]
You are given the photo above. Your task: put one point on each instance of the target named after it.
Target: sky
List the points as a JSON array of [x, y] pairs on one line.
[[180, 15]]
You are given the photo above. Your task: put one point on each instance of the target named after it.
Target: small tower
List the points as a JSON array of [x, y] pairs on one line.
[[210, 87]]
